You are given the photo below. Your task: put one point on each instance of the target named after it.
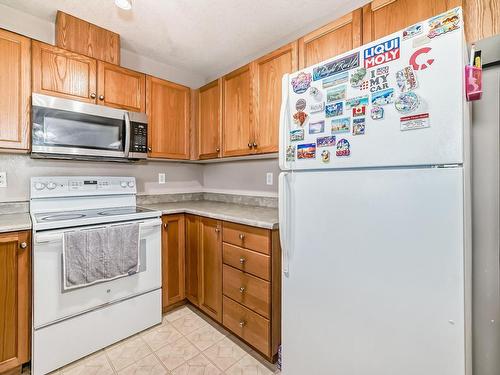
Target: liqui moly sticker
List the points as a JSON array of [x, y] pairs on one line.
[[301, 83], [340, 65], [381, 53], [414, 122]]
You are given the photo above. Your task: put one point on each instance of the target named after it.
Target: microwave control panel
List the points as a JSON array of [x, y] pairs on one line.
[[139, 138]]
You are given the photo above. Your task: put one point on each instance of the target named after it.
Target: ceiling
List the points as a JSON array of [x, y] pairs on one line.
[[206, 37]]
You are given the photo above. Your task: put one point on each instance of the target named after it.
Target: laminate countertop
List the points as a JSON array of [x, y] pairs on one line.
[[262, 217], [15, 222]]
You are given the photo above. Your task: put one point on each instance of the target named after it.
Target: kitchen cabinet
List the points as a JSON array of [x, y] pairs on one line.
[[15, 300], [237, 132], [15, 86], [267, 73], [383, 17], [120, 87], [168, 109], [58, 72], [209, 120], [335, 38], [482, 19], [211, 267], [173, 260], [192, 259]]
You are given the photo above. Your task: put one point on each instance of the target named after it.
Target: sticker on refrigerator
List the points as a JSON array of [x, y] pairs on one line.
[[299, 118], [358, 126], [325, 156], [336, 66], [301, 83], [316, 94], [306, 151], [357, 77], [444, 23], [335, 94], [327, 141], [377, 113], [334, 109], [420, 60], [343, 148], [290, 153], [300, 105], [317, 127], [359, 111], [336, 79], [355, 102], [381, 53], [383, 97], [296, 135], [407, 102], [378, 79], [406, 79], [341, 125], [412, 31], [414, 122], [317, 107]]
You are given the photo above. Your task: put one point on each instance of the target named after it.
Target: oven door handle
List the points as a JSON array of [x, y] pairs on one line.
[[127, 134]]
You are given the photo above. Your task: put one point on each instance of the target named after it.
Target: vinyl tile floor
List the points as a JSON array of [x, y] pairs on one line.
[[185, 343]]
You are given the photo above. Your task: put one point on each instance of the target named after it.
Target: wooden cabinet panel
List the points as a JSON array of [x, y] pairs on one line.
[[258, 239], [88, 39], [173, 260], [209, 120], [15, 86], [15, 299], [333, 39], [120, 87], [267, 73], [58, 72], [211, 267], [482, 19], [192, 259], [383, 17], [237, 131], [247, 260], [168, 109]]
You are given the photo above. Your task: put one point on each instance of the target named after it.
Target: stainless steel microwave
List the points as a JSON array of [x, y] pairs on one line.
[[69, 129]]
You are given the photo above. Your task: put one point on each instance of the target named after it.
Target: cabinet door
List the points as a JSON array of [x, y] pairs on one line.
[[168, 106], [333, 39], [211, 267], [15, 86], [266, 90], [209, 120], [15, 299], [173, 259], [192, 259], [121, 88], [237, 132], [482, 19], [383, 17], [58, 72]]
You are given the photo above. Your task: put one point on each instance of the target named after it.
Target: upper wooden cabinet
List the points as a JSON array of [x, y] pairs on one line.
[[333, 39], [15, 300], [62, 73], [88, 39], [267, 73], [237, 133], [209, 120], [168, 109], [120, 87], [15, 86], [383, 17]]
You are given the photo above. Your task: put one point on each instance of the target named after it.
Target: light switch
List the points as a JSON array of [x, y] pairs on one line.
[[269, 178], [161, 178]]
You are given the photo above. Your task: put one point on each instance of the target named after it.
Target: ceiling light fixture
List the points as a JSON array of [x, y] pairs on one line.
[[124, 4]]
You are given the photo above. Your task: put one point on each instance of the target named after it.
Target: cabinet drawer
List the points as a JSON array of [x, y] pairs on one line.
[[253, 238], [250, 326], [248, 290], [247, 260]]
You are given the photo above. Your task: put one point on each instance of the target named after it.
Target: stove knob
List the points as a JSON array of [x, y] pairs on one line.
[[51, 186], [123, 184], [131, 184], [39, 186]]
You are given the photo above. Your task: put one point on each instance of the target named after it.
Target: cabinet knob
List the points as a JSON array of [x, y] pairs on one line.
[[93, 95], [217, 230], [250, 145], [242, 290], [254, 145], [23, 245], [101, 97], [150, 149], [242, 260], [242, 323], [165, 225], [217, 149], [242, 236]]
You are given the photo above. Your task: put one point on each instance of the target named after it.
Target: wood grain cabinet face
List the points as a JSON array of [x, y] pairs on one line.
[[333, 39], [15, 299], [15, 86], [209, 120], [193, 280], [173, 260], [58, 72], [168, 106], [120, 87]]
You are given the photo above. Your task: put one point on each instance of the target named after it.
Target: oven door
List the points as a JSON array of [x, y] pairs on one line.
[[53, 304]]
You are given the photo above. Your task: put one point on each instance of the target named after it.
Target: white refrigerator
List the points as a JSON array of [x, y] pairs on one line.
[[374, 208]]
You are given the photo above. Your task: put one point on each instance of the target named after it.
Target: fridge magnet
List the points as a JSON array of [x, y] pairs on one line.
[[377, 113], [335, 94], [334, 109], [355, 102], [378, 80], [365, 85], [420, 41], [290, 153], [357, 77], [359, 111], [306, 151], [407, 102], [301, 83], [300, 105], [421, 63], [299, 118], [382, 70], [381, 53], [358, 126], [444, 23], [327, 141], [406, 79], [316, 94], [336, 79], [296, 135], [325, 156], [336, 66], [317, 127], [383, 97], [341, 125], [317, 107], [343, 148], [414, 122], [412, 31]]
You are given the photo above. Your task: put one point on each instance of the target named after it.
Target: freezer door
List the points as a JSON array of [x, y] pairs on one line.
[[375, 272]]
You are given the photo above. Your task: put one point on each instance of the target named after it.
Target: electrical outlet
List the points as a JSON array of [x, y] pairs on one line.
[[269, 178], [3, 179], [161, 178]]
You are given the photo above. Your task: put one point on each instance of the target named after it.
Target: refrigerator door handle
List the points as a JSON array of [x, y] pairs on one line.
[[284, 222], [284, 117]]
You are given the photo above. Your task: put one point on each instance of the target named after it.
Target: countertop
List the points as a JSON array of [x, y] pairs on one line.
[[15, 222], [262, 217]]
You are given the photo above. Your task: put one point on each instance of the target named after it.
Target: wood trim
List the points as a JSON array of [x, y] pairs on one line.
[[193, 125], [377, 4]]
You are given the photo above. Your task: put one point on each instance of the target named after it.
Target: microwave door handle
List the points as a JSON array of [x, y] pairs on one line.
[[127, 134]]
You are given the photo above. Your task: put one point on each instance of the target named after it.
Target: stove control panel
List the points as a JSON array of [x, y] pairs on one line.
[[42, 187]]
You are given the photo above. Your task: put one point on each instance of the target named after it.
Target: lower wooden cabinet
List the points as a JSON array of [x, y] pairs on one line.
[[193, 281], [15, 299]]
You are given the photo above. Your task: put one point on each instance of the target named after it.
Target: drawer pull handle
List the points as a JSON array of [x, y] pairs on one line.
[[242, 236], [242, 290], [242, 323], [242, 260]]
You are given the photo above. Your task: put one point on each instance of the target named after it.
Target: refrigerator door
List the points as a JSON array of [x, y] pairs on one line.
[[375, 272], [425, 128]]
